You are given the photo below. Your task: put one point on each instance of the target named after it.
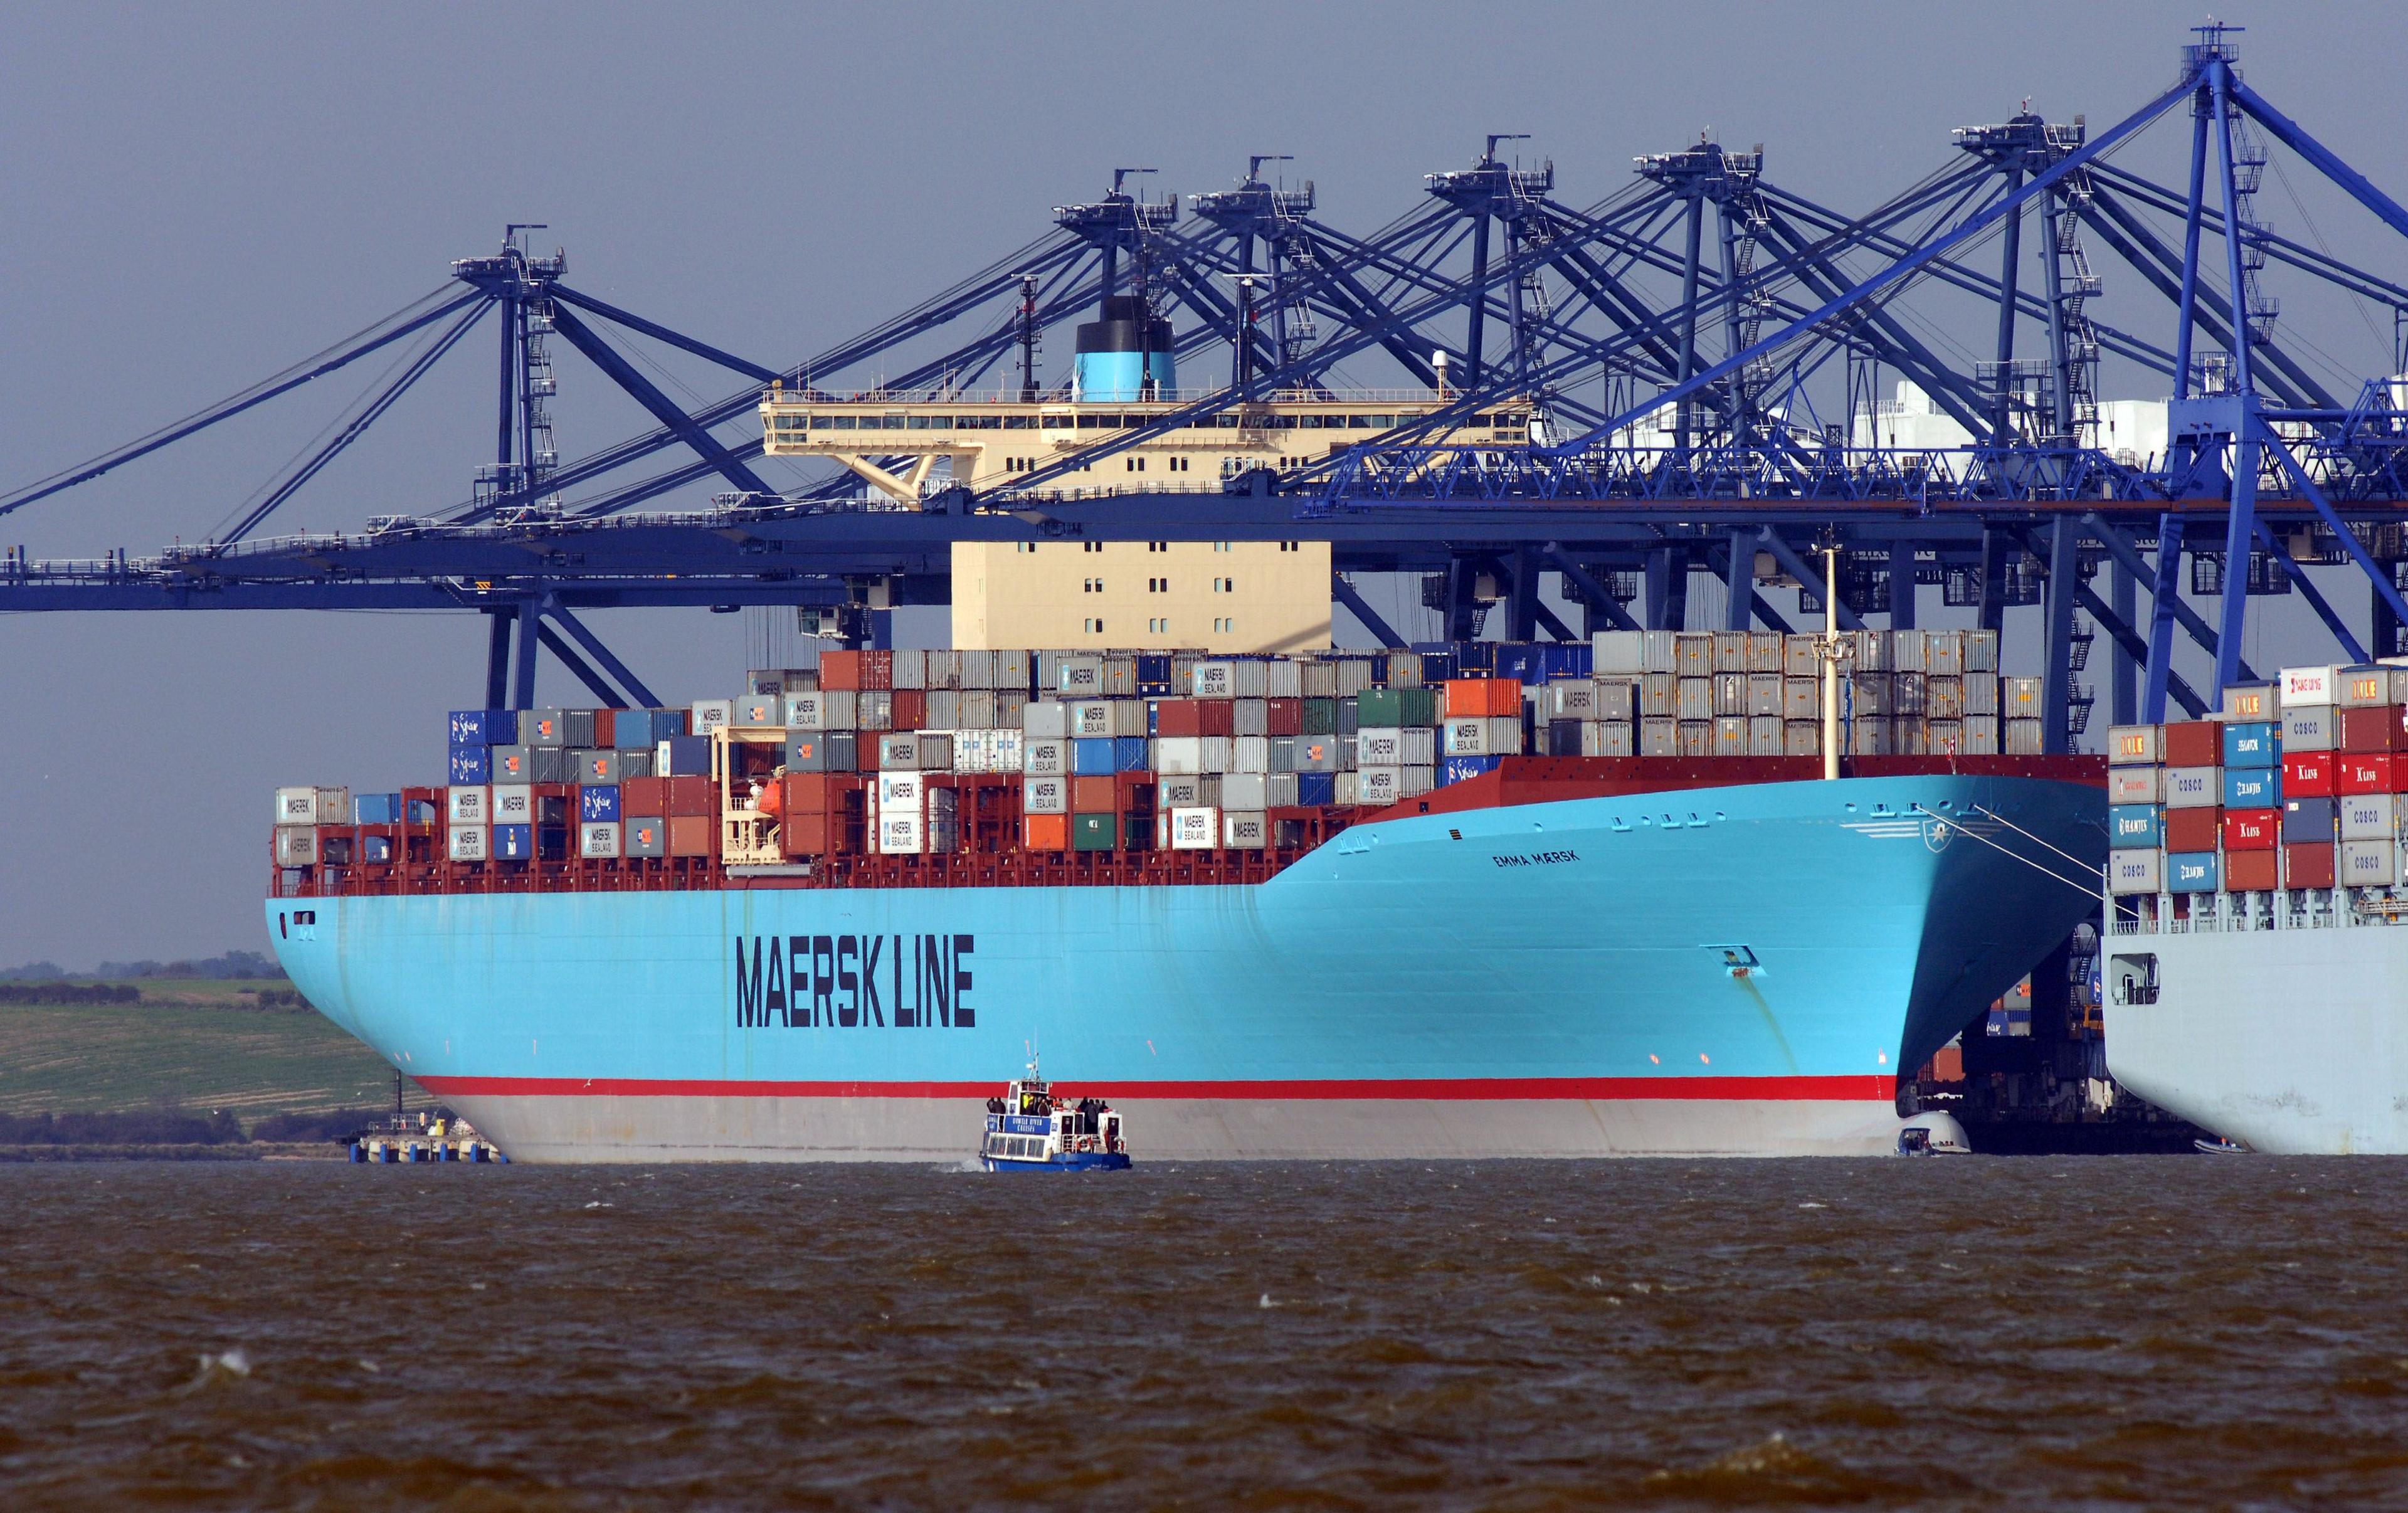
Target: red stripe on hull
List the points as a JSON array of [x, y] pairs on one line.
[[1601, 1088]]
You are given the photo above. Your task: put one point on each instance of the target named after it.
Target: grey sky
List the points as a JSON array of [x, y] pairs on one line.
[[199, 197]]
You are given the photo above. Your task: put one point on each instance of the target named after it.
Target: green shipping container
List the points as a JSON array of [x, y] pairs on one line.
[[1094, 831], [1320, 717], [1383, 708]]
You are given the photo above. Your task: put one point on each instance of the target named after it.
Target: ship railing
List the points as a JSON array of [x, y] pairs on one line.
[[1160, 396]]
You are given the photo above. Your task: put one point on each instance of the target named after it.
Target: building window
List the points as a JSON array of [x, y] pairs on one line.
[[1224, 626], [1158, 546], [1092, 627], [1025, 546], [1220, 545], [1095, 585], [1093, 545], [1289, 546], [1158, 585], [1158, 627], [1224, 585]]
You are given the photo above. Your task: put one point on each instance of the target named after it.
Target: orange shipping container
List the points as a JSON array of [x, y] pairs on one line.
[[1093, 796], [1048, 831], [841, 670], [1469, 697], [2251, 871], [807, 834], [2195, 743], [910, 708], [693, 834]]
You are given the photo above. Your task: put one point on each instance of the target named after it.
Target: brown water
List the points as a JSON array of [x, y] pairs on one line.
[[2157, 1332]]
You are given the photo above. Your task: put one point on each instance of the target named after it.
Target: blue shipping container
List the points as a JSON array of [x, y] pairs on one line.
[[1152, 676], [597, 803], [2310, 822], [1523, 664], [2135, 826], [2253, 788], [2250, 746], [485, 727], [2191, 872], [1458, 768], [376, 808], [1316, 789], [689, 756], [514, 843], [472, 765], [631, 729], [1129, 753], [1091, 756]]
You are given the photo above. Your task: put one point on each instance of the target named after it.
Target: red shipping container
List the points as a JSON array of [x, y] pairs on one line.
[[693, 834], [1285, 717], [1093, 796], [1470, 697], [644, 796], [2252, 829], [2307, 867], [807, 834], [911, 709], [1132, 790], [1047, 832], [841, 670], [1178, 717], [691, 796], [2195, 743], [2252, 872], [2373, 729], [606, 730], [2371, 773], [1216, 717], [2193, 830], [2308, 774], [809, 792]]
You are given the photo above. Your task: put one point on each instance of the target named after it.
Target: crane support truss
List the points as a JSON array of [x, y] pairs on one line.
[[1700, 352]]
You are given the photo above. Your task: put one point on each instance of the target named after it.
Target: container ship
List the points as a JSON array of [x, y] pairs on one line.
[[1475, 900], [2254, 959]]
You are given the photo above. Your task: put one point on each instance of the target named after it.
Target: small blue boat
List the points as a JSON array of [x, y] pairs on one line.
[[1028, 1131]]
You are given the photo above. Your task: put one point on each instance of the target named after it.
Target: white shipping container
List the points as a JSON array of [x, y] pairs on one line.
[[2370, 817], [1249, 753], [1095, 718], [1981, 651], [1249, 716], [901, 834], [1981, 692], [902, 791], [1497, 736], [1659, 696], [1046, 758], [2135, 746], [2189, 788], [711, 714], [1982, 731], [1217, 752], [468, 806], [1943, 653], [899, 751], [2315, 728], [2307, 686], [1607, 738], [1384, 746], [1617, 699], [1179, 755], [1618, 653], [1659, 738], [1571, 698], [468, 843], [2136, 872], [313, 805], [1045, 795], [1194, 830], [597, 839], [2125, 785], [296, 845], [2024, 738], [1046, 720], [513, 804], [1730, 736], [1801, 737], [1801, 698], [1243, 831], [2369, 864]]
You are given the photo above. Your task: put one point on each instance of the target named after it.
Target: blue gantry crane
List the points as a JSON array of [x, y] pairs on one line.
[[1705, 352]]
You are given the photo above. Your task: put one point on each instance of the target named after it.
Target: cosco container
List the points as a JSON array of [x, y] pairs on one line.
[[2370, 817], [2370, 863], [2131, 826], [2191, 872], [2313, 729], [2191, 788], [2136, 871]]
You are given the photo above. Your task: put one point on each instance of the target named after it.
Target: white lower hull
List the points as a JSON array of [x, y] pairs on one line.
[[677, 1128], [2295, 1041]]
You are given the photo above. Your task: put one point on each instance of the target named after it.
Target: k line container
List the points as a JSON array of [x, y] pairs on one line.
[[2253, 701], [2252, 829]]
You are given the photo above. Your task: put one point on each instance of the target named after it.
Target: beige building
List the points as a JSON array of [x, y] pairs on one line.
[[1222, 596]]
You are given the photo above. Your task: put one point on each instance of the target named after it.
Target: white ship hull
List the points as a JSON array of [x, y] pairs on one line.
[[2295, 1041]]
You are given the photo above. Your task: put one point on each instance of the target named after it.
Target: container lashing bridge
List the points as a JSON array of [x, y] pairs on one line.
[[1703, 356]]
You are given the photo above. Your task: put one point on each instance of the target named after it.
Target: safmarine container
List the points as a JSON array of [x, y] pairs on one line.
[[2138, 871], [2131, 826], [468, 843], [2309, 822], [597, 839], [2250, 746], [470, 764], [2191, 872], [485, 727], [1458, 768], [2369, 864], [2191, 788], [2252, 788], [2370, 817], [598, 803], [513, 804]]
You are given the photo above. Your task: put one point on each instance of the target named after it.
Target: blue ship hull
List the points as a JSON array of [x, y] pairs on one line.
[[1736, 970], [1076, 1161]]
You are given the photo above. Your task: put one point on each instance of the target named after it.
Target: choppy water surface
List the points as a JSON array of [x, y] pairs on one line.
[[1977, 1333]]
